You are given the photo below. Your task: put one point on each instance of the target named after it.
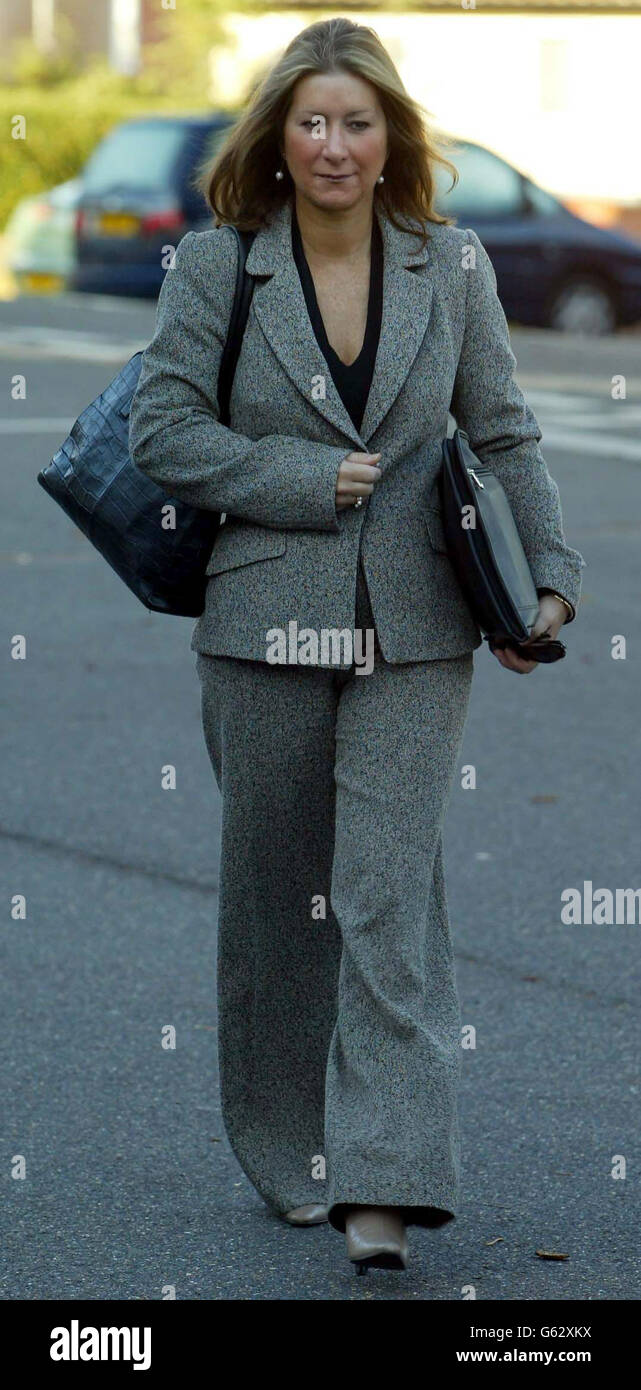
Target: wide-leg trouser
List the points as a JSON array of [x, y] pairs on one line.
[[338, 1015]]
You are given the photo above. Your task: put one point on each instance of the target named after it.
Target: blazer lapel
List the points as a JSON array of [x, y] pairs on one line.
[[279, 305], [407, 303]]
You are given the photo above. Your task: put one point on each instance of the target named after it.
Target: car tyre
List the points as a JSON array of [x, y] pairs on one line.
[[583, 305]]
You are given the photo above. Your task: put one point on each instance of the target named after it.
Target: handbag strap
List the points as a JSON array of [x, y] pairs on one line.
[[237, 323]]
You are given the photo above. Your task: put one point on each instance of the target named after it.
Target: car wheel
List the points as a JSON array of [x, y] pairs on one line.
[[583, 305]]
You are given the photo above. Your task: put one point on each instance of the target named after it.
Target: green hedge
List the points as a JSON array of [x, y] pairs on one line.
[[64, 123]]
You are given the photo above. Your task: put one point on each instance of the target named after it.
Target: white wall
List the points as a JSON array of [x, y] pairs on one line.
[[556, 95]]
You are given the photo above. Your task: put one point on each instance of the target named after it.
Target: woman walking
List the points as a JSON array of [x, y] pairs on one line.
[[371, 318]]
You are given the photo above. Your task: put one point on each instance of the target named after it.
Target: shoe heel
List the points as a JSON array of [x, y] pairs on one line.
[[382, 1261], [375, 1239]]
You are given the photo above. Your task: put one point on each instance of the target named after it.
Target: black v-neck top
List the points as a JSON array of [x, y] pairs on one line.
[[352, 382]]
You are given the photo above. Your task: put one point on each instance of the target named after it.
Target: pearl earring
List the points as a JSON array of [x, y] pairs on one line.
[[380, 179], [279, 174]]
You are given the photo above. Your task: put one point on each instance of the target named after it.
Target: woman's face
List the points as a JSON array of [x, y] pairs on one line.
[[335, 139]]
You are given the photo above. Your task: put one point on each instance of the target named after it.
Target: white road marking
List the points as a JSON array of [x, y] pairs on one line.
[[44, 425], [602, 446], [591, 424], [68, 343], [590, 410]]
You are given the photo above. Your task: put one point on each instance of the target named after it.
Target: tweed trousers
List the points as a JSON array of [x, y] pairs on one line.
[[338, 1017]]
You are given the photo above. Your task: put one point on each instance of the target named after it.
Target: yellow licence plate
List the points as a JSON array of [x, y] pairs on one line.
[[40, 283], [118, 224]]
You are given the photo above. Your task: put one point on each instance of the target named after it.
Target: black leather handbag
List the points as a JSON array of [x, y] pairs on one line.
[[488, 558], [119, 508]]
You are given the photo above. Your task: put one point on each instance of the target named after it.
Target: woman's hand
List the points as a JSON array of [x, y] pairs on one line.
[[356, 477], [550, 618]]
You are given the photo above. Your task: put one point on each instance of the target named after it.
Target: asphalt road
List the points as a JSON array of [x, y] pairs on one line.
[[130, 1187]]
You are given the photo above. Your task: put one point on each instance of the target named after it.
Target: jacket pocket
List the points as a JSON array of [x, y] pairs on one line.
[[434, 522], [237, 545]]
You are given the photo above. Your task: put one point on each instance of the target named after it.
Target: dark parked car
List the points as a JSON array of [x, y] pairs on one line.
[[137, 197], [553, 269]]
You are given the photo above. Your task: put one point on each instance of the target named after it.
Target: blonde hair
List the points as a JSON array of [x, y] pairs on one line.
[[239, 183]]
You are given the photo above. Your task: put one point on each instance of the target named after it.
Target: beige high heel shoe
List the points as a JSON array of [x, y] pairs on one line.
[[310, 1215], [376, 1237]]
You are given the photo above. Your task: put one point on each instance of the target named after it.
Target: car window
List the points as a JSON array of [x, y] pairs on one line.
[[545, 204], [214, 139], [65, 195], [136, 156], [200, 152], [487, 186]]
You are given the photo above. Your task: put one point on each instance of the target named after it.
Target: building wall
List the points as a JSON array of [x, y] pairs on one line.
[[90, 22], [556, 95], [15, 23]]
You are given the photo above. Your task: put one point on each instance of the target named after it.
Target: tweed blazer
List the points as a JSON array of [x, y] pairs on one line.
[[284, 552]]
